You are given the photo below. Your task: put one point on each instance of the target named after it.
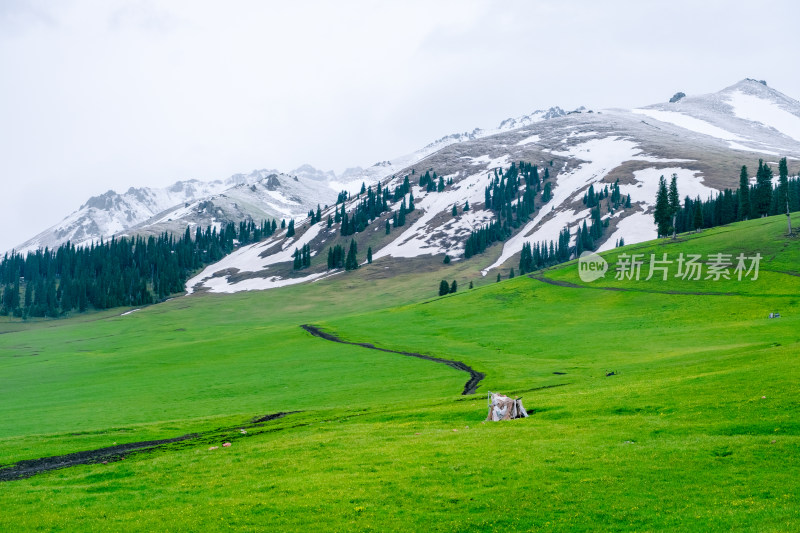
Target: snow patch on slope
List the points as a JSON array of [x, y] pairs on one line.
[[248, 259], [600, 156], [770, 114], [529, 140], [690, 123], [690, 183], [638, 227], [417, 239], [221, 285]]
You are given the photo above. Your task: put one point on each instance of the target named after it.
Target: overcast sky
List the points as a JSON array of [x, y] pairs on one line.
[[108, 94]]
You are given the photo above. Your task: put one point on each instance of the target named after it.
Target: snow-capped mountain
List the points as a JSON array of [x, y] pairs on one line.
[[352, 178], [703, 140], [258, 195], [261, 194]]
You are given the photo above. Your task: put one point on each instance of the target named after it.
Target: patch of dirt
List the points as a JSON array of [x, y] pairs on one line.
[[469, 388], [274, 416], [31, 467]]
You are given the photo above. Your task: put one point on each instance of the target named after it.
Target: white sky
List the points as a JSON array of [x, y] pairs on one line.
[[98, 95]]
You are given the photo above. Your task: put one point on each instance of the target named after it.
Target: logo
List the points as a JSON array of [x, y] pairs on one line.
[[591, 267]]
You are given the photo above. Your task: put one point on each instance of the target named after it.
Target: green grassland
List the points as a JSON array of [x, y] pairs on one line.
[[697, 430]]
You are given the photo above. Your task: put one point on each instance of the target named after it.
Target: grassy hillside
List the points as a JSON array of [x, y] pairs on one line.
[[697, 429]]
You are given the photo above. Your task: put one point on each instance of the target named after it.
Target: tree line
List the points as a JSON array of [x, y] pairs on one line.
[[730, 205], [125, 271]]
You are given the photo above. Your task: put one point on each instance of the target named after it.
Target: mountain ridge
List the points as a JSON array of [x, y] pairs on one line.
[[702, 139]]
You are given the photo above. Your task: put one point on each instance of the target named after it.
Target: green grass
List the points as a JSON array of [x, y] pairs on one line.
[[679, 439]]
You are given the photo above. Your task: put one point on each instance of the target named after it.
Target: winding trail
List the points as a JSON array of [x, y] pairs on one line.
[[31, 467], [470, 386]]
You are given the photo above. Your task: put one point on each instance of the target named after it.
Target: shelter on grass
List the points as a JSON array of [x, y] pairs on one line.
[[501, 407]]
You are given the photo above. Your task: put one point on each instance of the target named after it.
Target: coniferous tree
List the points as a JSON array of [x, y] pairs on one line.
[[388, 227], [446, 259], [744, 194], [783, 192], [369, 255], [444, 288], [662, 214], [470, 284], [698, 216], [498, 277], [674, 202], [511, 273], [466, 206], [763, 189], [547, 193], [454, 212], [453, 287], [351, 263], [401, 215]]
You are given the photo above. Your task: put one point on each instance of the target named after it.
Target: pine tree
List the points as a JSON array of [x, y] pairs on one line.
[[511, 273], [763, 189], [783, 192], [466, 206], [455, 210], [446, 260], [470, 285], [698, 215], [744, 195], [498, 277], [444, 288], [369, 255], [662, 213], [547, 193], [290, 229], [674, 202], [351, 263], [453, 287], [388, 227]]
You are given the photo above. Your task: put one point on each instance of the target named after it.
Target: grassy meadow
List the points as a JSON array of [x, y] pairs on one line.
[[697, 430]]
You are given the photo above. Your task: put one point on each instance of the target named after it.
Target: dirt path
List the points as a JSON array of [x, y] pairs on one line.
[[571, 285], [31, 467], [475, 377]]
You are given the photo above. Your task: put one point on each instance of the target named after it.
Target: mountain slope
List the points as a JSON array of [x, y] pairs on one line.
[[703, 140]]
